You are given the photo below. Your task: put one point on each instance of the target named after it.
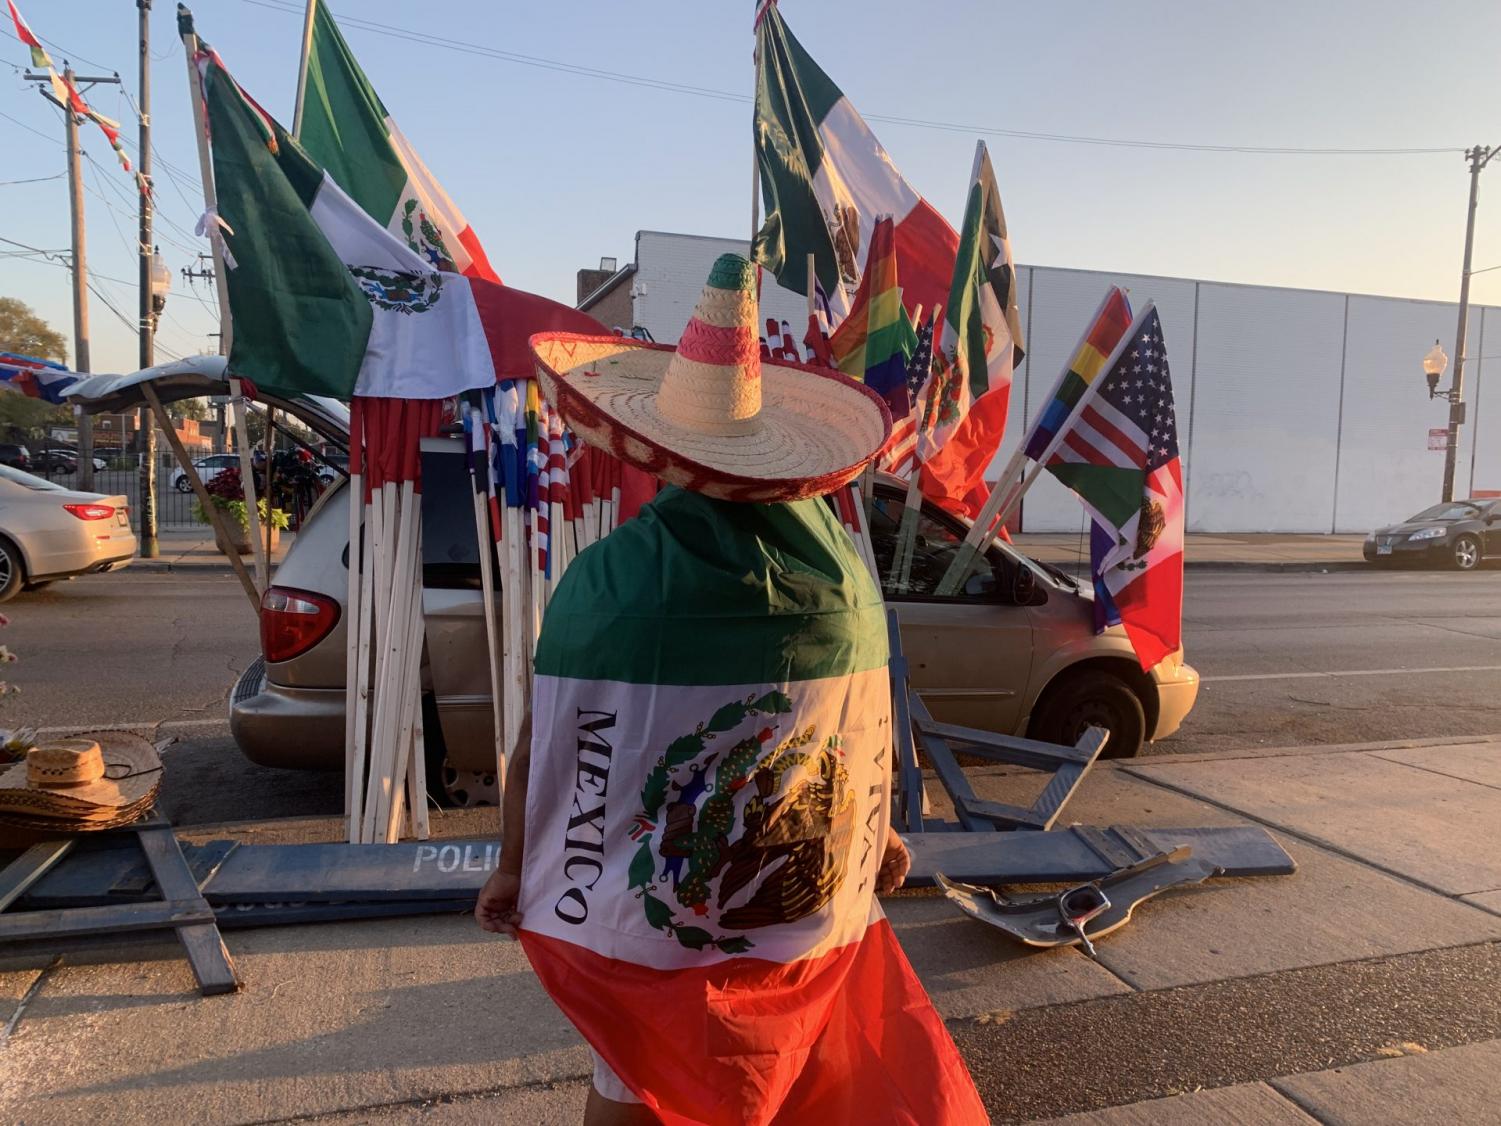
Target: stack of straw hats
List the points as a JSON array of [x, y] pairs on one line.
[[100, 780]]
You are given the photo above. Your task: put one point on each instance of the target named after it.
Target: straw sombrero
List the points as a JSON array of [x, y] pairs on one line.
[[93, 781], [711, 415]]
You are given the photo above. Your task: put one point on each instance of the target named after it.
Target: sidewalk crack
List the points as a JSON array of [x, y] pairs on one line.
[[26, 998]]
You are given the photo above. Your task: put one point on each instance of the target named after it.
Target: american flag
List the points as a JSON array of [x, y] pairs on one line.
[[921, 361], [1130, 422], [901, 449], [1119, 453]]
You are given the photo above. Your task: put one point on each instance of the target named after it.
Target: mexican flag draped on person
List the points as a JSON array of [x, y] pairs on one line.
[[696, 833]]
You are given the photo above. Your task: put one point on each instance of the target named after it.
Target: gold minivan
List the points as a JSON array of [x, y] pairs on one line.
[[1014, 651]]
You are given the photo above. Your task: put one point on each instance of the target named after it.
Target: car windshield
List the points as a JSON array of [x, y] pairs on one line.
[[26, 480], [1455, 511]]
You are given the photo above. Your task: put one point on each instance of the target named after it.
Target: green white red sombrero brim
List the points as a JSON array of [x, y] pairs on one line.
[[816, 430]]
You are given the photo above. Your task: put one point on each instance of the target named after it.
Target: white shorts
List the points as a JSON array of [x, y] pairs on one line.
[[610, 1085]]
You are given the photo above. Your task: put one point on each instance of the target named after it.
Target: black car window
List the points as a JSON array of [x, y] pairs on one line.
[[450, 547], [1456, 510], [935, 547]]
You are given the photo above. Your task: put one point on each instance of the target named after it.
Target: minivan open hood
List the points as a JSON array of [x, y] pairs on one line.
[[196, 376]]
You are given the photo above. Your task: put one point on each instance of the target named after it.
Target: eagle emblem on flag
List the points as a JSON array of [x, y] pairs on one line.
[[424, 237], [756, 834], [398, 291]]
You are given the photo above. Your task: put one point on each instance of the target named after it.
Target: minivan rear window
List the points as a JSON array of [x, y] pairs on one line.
[[450, 547]]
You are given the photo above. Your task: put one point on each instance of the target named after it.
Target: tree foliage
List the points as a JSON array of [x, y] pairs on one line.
[[21, 330]]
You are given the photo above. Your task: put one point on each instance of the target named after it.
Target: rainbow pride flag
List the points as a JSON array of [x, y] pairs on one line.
[[875, 340], [1109, 325]]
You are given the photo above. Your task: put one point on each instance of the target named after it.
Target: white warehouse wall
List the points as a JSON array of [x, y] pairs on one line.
[[1298, 410]]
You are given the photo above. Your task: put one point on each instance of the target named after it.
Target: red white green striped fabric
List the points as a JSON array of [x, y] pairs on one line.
[[346, 128], [707, 806], [327, 302], [825, 179], [65, 91], [963, 406]]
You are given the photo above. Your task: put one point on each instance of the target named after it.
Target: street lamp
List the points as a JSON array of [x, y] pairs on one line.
[[161, 283], [1434, 364]]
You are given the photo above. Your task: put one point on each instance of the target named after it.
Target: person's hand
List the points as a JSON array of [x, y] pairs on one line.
[[895, 862], [496, 909]]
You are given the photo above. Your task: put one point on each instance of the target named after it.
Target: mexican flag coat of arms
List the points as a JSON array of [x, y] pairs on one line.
[[706, 813]]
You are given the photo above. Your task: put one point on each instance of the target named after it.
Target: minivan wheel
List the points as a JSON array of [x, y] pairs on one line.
[[1466, 553], [1092, 698]]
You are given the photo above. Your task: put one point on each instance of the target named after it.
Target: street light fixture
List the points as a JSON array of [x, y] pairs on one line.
[[161, 283], [1434, 364]]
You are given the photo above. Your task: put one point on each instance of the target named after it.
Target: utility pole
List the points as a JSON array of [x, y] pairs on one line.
[[79, 256], [1479, 157], [149, 548], [81, 361]]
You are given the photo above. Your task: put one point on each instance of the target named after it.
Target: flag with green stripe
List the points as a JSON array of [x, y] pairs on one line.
[[826, 179], [962, 408], [708, 802], [347, 128]]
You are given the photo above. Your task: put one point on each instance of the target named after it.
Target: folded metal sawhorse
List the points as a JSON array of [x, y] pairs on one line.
[[181, 908], [940, 741], [989, 842]]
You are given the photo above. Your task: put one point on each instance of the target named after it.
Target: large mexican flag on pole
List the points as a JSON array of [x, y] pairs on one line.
[[346, 127], [327, 302], [826, 179], [962, 407], [706, 811]]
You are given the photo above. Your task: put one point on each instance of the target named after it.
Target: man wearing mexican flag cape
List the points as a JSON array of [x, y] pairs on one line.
[[694, 842]]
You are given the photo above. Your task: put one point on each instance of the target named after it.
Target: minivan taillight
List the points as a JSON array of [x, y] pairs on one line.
[[293, 621], [91, 511]]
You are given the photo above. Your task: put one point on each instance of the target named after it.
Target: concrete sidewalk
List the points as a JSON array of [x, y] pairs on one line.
[[1360, 990], [193, 549], [1222, 552]]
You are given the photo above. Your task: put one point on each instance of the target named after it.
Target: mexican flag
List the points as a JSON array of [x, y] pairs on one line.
[[826, 179], [325, 301], [706, 810], [962, 408], [345, 126]]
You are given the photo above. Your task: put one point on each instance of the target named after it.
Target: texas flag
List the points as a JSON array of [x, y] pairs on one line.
[[706, 812]]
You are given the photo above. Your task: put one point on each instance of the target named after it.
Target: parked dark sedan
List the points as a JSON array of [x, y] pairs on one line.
[[1459, 534]]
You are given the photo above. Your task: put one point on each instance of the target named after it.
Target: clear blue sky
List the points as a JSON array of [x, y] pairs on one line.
[[557, 169]]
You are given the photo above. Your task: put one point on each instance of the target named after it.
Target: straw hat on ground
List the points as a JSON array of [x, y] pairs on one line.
[[93, 781], [711, 415]]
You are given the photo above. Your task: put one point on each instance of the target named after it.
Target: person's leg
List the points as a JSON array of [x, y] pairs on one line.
[[611, 1102], [600, 1111]]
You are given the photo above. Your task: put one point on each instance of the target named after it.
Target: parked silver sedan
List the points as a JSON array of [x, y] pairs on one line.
[[48, 532]]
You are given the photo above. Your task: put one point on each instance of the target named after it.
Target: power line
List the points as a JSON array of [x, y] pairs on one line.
[[33, 180], [28, 128], [412, 36], [63, 51]]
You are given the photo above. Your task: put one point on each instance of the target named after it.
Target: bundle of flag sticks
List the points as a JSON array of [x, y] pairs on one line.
[[385, 768], [539, 498]]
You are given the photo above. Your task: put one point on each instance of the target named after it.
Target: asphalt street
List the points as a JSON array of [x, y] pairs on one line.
[[1287, 660]]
